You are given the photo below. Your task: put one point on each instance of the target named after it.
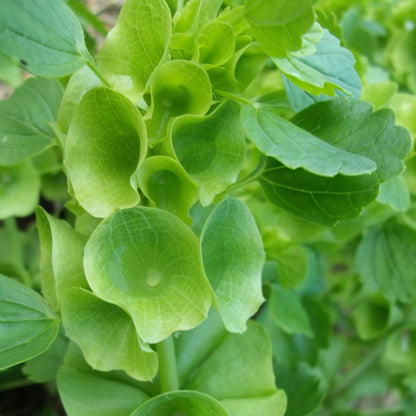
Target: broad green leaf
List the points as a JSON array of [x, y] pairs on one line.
[[42, 36], [297, 148], [288, 312], [384, 259], [136, 45], [395, 193], [317, 199], [216, 43], [164, 181], [235, 369], [10, 72], [19, 190], [233, 258], [404, 106], [86, 16], [211, 149], [106, 335], [92, 393], [24, 118], [400, 353], [80, 82], [62, 251], [27, 326], [305, 388], [177, 403], [177, 87], [380, 93], [279, 27], [106, 143], [353, 126], [329, 69], [148, 262], [43, 368]]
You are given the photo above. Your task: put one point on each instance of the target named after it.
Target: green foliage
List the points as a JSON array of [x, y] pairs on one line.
[[224, 197]]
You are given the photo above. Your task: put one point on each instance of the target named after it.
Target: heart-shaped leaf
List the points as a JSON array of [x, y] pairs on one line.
[[106, 335], [233, 257], [136, 45], [109, 130], [43, 36], [296, 147], [27, 326], [148, 262], [24, 118], [211, 149]]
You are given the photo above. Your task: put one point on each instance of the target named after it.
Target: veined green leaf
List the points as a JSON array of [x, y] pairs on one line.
[[19, 189], [42, 36], [395, 192], [233, 258], [148, 262], [297, 148], [177, 87], [288, 312], [106, 335], [136, 45], [62, 251], [184, 402], [235, 369], [353, 126], [329, 69], [278, 27], [106, 144], [27, 326], [384, 260], [318, 199], [211, 149], [92, 393], [164, 181], [24, 118]]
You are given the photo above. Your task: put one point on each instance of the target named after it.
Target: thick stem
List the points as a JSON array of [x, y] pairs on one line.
[[168, 372]]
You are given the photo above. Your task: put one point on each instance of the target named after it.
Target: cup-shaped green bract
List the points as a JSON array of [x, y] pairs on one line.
[[164, 181], [177, 87], [149, 263], [106, 144]]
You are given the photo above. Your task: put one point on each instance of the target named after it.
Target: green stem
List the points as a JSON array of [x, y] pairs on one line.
[[93, 67], [234, 97], [168, 372]]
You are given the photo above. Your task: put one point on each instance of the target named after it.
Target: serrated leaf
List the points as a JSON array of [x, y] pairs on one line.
[[233, 258], [278, 27], [317, 199], [211, 149], [297, 148], [235, 369], [86, 392], [136, 45], [27, 326], [106, 144], [177, 87], [191, 403], [353, 126], [62, 251], [384, 259], [288, 312], [24, 118], [43, 36], [148, 262], [329, 69], [106, 335], [19, 190], [164, 182]]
